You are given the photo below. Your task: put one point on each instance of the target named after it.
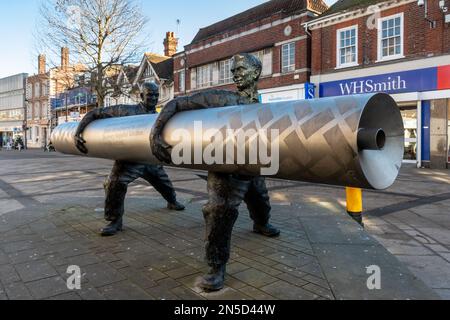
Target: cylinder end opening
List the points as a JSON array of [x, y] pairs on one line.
[[371, 139]]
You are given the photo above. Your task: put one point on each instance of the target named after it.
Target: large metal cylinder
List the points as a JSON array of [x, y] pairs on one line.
[[353, 141]]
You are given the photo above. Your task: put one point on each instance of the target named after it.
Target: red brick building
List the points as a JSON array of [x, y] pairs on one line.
[[273, 31], [40, 90], [401, 47]]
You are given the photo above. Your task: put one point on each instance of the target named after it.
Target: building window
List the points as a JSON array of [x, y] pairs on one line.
[[225, 75], [29, 91], [37, 90], [182, 81], [265, 56], [29, 111], [36, 111], [347, 47], [390, 37], [204, 76], [148, 72], [288, 57], [44, 90]]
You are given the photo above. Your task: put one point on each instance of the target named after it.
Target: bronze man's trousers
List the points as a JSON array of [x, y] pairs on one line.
[[124, 173], [226, 193]]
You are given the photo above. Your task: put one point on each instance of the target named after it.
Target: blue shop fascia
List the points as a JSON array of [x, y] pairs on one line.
[[421, 88]]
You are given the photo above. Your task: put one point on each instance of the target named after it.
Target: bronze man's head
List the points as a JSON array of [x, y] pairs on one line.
[[246, 70], [150, 94]]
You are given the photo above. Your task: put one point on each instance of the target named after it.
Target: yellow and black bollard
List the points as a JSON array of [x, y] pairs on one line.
[[355, 204]]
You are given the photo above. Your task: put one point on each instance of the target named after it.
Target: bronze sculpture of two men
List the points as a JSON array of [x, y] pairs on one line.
[[226, 191]]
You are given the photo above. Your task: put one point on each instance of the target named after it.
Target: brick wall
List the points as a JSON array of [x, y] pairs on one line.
[[419, 39]]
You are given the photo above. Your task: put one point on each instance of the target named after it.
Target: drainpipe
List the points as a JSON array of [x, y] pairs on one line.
[[307, 30]]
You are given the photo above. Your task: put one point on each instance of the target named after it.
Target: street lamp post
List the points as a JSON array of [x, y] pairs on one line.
[[67, 108], [25, 124]]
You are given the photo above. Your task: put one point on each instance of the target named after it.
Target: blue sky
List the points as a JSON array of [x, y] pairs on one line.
[[18, 19]]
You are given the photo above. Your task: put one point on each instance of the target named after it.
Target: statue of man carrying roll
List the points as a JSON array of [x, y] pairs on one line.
[[226, 191], [123, 173]]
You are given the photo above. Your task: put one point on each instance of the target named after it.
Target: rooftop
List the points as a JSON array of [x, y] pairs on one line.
[[267, 9], [349, 5]]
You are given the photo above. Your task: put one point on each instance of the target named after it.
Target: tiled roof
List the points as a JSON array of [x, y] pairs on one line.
[[347, 5], [155, 58], [131, 72], [267, 9], [164, 69]]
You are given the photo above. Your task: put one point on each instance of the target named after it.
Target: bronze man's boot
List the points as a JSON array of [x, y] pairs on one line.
[[267, 230], [214, 279], [176, 206], [112, 228]]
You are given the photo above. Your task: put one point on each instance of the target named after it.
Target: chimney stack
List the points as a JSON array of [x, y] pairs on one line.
[[170, 44], [64, 58], [41, 64]]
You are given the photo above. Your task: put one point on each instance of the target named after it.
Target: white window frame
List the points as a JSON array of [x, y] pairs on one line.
[[290, 67], [148, 72], [225, 75], [204, 76], [338, 48], [37, 90], [266, 64], [44, 89], [380, 38], [182, 81]]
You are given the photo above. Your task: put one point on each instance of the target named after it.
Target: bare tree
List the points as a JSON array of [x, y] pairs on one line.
[[100, 34]]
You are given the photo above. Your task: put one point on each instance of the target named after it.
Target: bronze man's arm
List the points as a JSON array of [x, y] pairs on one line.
[[202, 100], [91, 116]]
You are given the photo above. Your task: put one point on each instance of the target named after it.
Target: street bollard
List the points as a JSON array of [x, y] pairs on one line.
[[355, 204]]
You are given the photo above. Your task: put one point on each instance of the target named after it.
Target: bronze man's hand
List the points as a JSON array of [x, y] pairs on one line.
[[80, 144], [161, 150]]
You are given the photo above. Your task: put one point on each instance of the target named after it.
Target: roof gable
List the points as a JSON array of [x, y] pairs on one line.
[[164, 69], [127, 74], [161, 67], [155, 58]]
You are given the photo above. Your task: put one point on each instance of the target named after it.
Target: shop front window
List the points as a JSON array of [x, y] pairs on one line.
[[409, 115]]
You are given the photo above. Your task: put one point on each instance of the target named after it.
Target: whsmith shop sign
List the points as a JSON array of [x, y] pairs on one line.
[[429, 79]]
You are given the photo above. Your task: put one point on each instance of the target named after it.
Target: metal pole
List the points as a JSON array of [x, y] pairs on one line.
[[419, 134], [25, 126], [67, 109], [25, 113]]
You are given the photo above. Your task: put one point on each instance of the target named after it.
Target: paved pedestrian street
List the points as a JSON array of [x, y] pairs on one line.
[[51, 211]]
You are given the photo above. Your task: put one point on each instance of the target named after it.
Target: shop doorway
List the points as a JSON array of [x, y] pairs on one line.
[[6, 137], [410, 121]]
